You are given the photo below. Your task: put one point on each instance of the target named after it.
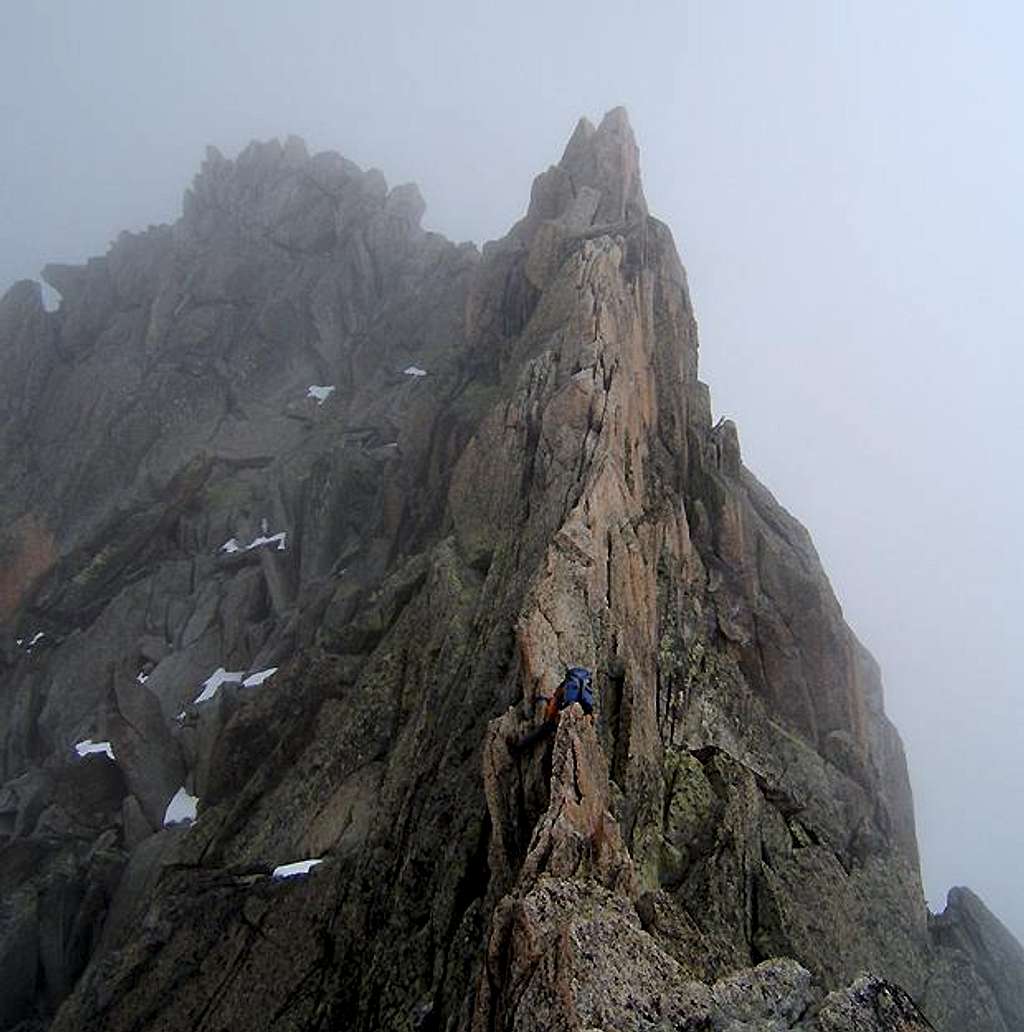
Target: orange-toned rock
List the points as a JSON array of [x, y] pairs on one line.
[[28, 553]]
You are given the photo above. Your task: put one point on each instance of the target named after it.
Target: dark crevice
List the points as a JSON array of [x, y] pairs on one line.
[[518, 302], [757, 954], [670, 791], [532, 442], [476, 877], [577, 790], [608, 570]]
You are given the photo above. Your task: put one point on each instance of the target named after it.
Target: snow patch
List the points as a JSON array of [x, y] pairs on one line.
[[258, 678], [88, 747], [278, 539], [319, 394], [414, 371], [232, 545], [215, 680], [297, 868], [181, 809], [142, 677]]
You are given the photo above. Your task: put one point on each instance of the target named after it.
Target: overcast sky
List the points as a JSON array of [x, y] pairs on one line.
[[844, 182]]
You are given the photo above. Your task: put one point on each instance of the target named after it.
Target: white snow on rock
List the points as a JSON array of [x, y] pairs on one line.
[[181, 809], [258, 678], [32, 641], [89, 746], [215, 680], [232, 545], [142, 677], [278, 539], [414, 371], [297, 868], [320, 394]]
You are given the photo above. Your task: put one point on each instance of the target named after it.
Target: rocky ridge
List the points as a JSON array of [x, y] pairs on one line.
[[516, 469]]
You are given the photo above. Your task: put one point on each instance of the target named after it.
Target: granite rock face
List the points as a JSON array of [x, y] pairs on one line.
[[310, 508]]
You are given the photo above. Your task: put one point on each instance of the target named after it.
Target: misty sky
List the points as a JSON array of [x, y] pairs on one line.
[[844, 183]]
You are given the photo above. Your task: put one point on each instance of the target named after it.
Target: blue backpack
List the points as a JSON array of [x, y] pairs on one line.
[[578, 686]]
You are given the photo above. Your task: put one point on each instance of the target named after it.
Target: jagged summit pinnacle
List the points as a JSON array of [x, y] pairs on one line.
[[596, 183], [608, 159]]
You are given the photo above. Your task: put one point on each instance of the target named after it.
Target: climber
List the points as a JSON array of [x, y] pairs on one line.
[[577, 687]]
